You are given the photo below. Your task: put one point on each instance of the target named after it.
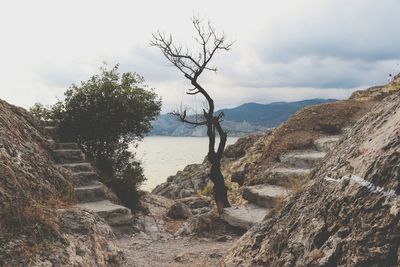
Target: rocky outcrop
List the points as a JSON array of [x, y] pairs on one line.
[[295, 140], [194, 177], [239, 149], [197, 202], [378, 92], [348, 214], [86, 241], [38, 224]]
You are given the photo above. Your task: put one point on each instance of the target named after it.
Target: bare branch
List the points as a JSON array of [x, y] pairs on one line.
[[193, 93], [210, 42], [181, 116]]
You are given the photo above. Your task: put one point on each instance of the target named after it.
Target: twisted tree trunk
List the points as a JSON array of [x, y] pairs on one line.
[[192, 67]]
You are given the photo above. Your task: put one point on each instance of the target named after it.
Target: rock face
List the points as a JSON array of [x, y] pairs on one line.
[[285, 177], [192, 179], [38, 224], [348, 214]]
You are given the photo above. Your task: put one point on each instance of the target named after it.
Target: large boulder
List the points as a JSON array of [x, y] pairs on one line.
[[196, 202], [179, 211]]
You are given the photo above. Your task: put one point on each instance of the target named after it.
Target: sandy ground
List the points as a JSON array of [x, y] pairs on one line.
[[156, 242], [182, 251]]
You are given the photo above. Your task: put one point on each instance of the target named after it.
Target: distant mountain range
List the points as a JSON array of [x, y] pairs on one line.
[[241, 120]]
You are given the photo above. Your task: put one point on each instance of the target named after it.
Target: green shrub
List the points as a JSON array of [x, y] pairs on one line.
[[105, 114], [41, 112]]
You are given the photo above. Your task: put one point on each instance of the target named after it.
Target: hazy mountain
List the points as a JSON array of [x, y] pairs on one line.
[[244, 119], [268, 115]]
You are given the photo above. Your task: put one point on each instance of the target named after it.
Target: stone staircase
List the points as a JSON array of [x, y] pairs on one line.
[[294, 166], [90, 193]]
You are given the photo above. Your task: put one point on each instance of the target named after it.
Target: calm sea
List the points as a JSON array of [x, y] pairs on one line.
[[162, 156]]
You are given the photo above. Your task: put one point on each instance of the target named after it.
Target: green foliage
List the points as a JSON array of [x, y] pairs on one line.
[[207, 190], [47, 114], [105, 115], [106, 108], [41, 112]]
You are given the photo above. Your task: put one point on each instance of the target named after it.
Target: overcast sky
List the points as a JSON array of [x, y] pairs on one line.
[[284, 49]]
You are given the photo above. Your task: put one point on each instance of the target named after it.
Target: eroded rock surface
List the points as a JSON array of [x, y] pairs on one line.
[[38, 224], [348, 214]]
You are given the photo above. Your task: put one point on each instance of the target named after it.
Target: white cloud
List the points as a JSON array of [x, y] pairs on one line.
[[284, 50]]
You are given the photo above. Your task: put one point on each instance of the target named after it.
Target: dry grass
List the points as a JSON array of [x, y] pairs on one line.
[[37, 221], [279, 203], [377, 92], [305, 126], [32, 225], [315, 255], [300, 131], [207, 191], [296, 186]]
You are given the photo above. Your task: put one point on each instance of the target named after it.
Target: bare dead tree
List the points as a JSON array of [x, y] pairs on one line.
[[192, 66]]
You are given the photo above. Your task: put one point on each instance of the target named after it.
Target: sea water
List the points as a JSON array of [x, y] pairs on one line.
[[162, 156]]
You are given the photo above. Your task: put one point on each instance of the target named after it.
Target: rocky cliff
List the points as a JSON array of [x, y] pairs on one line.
[[348, 214], [38, 224]]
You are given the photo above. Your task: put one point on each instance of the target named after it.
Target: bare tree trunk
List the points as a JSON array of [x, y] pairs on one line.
[[220, 190], [192, 67]]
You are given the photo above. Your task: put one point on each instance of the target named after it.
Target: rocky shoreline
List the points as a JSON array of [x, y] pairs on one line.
[[320, 190]]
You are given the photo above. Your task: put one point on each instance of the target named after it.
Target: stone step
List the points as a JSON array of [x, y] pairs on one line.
[[85, 178], [66, 146], [69, 155], [90, 193], [114, 215], [78, 167], [52, 130], [264, 195], [51, 143], [244, 217], [324, 144], [303, 159], [284, 176]]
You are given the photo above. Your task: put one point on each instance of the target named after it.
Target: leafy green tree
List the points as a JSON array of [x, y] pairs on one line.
[[105, 115]]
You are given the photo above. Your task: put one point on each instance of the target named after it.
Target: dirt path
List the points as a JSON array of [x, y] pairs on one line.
[[156, 242], [186, 251]]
